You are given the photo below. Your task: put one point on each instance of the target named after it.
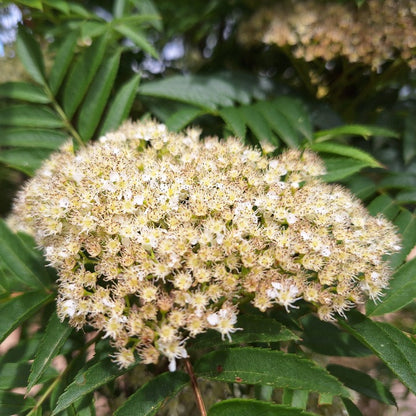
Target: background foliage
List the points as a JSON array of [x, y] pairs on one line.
[[87, 66]]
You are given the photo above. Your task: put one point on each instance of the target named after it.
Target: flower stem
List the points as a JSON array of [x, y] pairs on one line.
[[195, 388]]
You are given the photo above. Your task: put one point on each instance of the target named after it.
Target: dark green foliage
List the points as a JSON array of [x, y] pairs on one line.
[[90, 66]]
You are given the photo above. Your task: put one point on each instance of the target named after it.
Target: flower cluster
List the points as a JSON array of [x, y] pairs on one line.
[[156, 236], [317, 29]]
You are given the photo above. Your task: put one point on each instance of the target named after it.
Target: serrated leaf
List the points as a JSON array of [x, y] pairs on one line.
[[56, 334], [96, 99], [341, 168], [120, 105], [38, 116], [385, 205], [274, 368], [234, 120], [16, 257], [24, 91], [391, 345], [257, 123], [346, 151], [249, 407], [353, 130], [138, 38], [29, 53], [25, 160], [13, 403], [351, 408], [34, 138], [150, 397], [255, 329], [17, 309], [401, 292], [62, 61], [87, 381], [279, 123], [182, 118], [327, 339], [362, 383], [294, 110], [81, 74]]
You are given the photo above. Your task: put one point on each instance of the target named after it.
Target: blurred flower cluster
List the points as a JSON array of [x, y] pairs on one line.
[[372, 34], [158, 236]]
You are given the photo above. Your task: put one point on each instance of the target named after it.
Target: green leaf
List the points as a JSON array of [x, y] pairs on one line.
[[391, 345], [279, 123], [340, 168], [383, 204], [295, 111], [234, 120], [346, 151], [406, 223], [406, 197], [353, 130], [16, 257], [23, 351], [17, 309], [351, 408], [25, 160], [182, 118], [248, 407], [60, 5], [255, 329], [138, 38], [257, 123], [409, 134], [87, 381], [327, 339], [24, 91], [92, 29], [362, 383], [16, 374], [398, 181], [361, 186], [96, 98], [119, 8], [29, 53], [120, 105], [55, 336], [29, 116], [34, 138], [147, 7], [402, 291], [81, 74], [13, 403], [62, 61], [274, 368], [150, 397]]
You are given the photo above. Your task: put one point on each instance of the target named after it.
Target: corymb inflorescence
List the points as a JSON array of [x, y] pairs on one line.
[[157, 236]]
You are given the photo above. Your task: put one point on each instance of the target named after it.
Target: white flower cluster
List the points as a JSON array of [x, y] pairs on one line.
[[156, 236]]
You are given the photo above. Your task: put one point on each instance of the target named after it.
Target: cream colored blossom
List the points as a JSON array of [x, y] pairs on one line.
[[156, 236], [376, 32]]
